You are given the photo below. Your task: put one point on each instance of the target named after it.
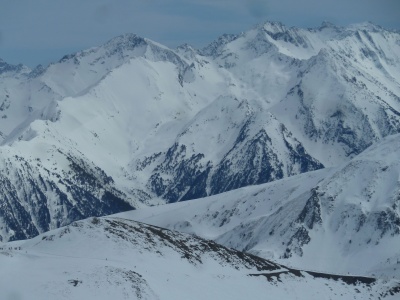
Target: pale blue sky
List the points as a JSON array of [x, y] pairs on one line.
[[41, 31]]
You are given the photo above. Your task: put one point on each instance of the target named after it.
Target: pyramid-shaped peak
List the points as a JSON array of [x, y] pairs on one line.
[[126, 41], [327, 24]]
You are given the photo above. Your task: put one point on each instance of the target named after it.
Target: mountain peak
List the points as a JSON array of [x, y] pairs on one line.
[[367, 26], [186, 47], [187, 51], [327, 24], [37, 71], [272, 26], [118, 44], [5, 67], [126, 41], [213, 48]]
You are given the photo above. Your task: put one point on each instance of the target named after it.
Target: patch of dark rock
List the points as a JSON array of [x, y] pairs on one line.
[[393, 291], [271, 277], [350, 280], [74, 282]]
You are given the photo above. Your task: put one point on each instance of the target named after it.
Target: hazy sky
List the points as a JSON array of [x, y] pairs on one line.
[[40, 31]]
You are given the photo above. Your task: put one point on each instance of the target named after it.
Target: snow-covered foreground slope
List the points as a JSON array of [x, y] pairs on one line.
[[344, 219], [114, 258], [156, 125]]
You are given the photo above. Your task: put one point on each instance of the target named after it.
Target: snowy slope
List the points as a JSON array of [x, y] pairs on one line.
[[103, 258], [22, 100], [343, 219], [171, 125], [336, 89]]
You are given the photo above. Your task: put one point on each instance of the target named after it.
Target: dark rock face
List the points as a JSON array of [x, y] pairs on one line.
[[251, 160], [388, 221], [311, 214], [254, 157], [37, 199], [214, 49], [5, 67], [300, 238], [186, 176]]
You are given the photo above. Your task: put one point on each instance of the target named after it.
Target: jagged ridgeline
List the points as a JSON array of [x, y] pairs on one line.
[[134, 123]]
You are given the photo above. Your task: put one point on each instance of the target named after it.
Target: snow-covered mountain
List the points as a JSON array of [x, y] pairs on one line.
[[343, 219], [155, 125], [51, 189], [103, 258]]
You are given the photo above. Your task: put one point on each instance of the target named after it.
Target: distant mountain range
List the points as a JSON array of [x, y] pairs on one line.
[[285, 140], [133, 123]]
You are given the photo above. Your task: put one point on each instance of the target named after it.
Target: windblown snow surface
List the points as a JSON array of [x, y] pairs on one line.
[[114, 258]]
